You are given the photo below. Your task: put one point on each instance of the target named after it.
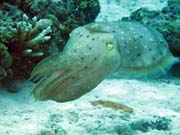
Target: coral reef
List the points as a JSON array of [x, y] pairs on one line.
[[165, 21], [9, 16], [5, 61], [22, 42], [32, 30], [66, 15], [172, 34], [171, 2], [31, 35]]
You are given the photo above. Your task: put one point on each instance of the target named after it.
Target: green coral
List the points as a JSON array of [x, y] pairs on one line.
[[171, 2], [143, 14], [172, 30], [6, 35], [88, 4], [5, 61], [7, 22]]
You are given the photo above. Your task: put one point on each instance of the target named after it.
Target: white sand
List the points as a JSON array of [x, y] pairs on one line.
[[20, 114], [114, 10]]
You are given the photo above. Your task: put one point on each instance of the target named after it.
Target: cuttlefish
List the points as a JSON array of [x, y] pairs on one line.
[[96, 51]]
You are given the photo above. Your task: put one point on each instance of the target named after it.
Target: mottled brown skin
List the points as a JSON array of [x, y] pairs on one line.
[[96, 51]]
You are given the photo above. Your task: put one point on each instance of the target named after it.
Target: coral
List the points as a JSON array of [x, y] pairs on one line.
[[66, 15], [7, 22], [5, 61], [143, 14], [32, 35], [29, 44], [22, 42], [172, 30], [171, 2], [34, 29]]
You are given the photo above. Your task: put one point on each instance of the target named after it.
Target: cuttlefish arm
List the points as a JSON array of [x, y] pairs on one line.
[[78, 69], [47, 65]]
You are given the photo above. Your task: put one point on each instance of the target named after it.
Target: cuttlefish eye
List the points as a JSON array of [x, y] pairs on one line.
[[109, 46]]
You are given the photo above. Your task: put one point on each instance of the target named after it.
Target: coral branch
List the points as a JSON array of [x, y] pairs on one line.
[[32, 33]]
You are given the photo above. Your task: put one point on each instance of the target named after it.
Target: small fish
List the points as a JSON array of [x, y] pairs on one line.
[[96, 51], [113, 105]]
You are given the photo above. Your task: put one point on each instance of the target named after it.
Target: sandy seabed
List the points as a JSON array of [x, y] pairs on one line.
[[155, 103]]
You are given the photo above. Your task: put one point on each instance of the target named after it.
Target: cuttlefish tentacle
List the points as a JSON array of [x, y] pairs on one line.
[[57, 80], [41, 89], [46, 66], [96, 51], [83, 82]]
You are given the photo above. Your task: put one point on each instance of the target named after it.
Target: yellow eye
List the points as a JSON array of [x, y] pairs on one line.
[[109, 46]]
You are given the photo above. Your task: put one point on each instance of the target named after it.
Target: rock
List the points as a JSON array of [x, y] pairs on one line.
[[158, 123], [46, 131], [124, 129]]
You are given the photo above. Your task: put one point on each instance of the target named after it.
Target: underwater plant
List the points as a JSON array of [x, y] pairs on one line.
[[99, 50]]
